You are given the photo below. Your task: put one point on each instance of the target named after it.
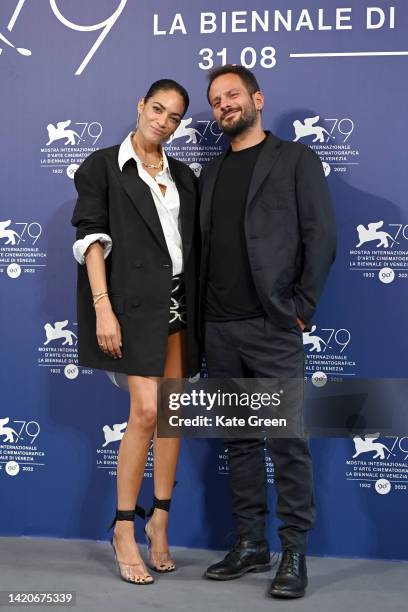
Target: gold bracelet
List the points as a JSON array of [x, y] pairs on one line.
[[94, 295], [99, 298]]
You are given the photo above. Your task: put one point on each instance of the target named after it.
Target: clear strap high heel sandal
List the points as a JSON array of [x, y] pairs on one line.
[[160, 562], [135, 573]]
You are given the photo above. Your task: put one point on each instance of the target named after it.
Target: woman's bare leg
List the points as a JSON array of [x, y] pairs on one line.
[[166, 451], [131, 463]]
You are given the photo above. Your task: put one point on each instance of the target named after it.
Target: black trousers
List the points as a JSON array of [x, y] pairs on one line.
[[256, 348]]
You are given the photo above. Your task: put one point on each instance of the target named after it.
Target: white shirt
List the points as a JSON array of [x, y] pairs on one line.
[[167, 206]]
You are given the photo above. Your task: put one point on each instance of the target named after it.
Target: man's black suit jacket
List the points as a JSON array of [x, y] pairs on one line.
[[289, 229]]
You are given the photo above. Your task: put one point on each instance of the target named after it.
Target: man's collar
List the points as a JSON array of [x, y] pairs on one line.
[[127, 152], [269, 139]]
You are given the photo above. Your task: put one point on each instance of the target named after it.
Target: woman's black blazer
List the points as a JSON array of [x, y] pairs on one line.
[[139, 267]]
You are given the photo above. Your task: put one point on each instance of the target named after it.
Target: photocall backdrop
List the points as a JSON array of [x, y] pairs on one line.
[[71, 75]]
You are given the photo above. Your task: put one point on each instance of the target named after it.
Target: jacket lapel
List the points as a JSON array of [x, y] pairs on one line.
[[142, 198], [266, 160]]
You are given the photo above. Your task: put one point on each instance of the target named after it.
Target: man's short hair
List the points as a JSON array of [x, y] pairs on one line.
[[246, 76]]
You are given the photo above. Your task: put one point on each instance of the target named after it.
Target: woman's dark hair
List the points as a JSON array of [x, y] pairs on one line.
[[168, 85], [246, 76]]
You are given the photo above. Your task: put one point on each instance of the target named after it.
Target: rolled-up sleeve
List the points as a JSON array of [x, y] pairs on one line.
[[80, 246]]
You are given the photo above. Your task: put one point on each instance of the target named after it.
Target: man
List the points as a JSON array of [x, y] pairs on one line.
[[268, 238]]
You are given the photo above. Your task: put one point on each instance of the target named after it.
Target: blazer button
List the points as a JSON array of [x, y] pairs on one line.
[[135, 302], [166, 266], [137, 264]]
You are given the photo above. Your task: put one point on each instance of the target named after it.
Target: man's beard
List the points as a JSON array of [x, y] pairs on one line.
[[247, 120]]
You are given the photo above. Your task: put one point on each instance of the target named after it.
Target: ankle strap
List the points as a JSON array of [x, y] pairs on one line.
[[162, 504], [128, 515], [125, 515], [122, 515]]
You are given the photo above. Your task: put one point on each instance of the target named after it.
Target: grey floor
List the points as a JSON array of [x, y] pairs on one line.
[[335, 585]]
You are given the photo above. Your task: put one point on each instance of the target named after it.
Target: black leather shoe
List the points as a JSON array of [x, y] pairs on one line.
[[246, 556], [291, 578]]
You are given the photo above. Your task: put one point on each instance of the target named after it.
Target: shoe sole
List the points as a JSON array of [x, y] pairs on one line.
[[283, 595], [256, 569]]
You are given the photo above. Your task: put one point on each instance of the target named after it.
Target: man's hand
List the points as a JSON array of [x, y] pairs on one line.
[[301, 324]]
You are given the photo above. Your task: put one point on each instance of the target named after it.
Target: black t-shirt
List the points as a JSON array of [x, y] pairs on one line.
[[231, 293]]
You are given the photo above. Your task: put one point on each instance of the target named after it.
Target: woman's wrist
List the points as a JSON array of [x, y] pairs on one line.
[[102, 303]]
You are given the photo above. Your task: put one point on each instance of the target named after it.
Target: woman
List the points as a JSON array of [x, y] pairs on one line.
[[136, 220]]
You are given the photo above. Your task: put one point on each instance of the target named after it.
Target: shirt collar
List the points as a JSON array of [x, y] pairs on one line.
[[126, 152]]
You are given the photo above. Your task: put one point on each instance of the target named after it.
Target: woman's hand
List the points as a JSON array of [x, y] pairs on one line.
[[108, 330]]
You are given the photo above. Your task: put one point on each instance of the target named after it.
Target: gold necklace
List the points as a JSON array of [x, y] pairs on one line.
[[155, 166]]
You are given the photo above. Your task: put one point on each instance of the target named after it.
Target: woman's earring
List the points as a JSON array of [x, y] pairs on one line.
[[137, 120]]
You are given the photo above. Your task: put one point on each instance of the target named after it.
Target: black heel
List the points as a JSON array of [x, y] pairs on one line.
[[125, 569], [161, 504]]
